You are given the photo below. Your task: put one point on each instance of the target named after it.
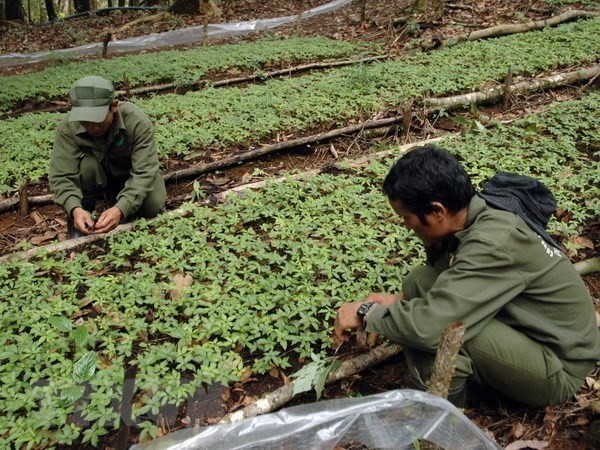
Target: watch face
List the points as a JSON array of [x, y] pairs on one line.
[[363, 310]]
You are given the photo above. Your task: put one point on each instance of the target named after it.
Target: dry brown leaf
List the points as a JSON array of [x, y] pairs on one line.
[[180, 281], [595, 406], [247, 374], [221, 181], [582, 241], [518, 445], [248, 400], [516, 430], [37, 218], [43, 239], [274, 372], [372, 339], [246, 178]]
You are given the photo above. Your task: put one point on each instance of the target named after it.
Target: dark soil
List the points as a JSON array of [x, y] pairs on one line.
[[562, 427]]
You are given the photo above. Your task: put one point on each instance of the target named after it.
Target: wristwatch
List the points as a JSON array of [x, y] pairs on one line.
[[363, 310]]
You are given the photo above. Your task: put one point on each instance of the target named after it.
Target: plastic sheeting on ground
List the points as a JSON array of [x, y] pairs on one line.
[[168, 38], [390, 420]]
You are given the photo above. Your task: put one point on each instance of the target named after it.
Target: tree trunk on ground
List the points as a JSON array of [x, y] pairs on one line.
[[14, 10], [50, 10], [81, 5]]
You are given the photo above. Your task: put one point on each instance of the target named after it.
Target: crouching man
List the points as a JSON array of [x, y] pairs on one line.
[[104, 147], [531, 329]]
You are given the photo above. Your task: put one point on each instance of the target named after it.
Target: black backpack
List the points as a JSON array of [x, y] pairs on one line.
[[527, 197]]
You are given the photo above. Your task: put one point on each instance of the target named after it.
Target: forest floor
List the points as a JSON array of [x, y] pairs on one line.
[[565, 426]]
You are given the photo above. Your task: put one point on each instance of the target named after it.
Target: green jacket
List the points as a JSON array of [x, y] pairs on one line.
[[127, 150], [498, 267]]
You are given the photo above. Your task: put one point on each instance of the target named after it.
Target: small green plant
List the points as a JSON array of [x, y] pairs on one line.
[[314, 375]]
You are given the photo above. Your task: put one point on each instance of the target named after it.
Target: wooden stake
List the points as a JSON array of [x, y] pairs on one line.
[[105, 42], [24, 199], [298, 20], [205, 31], [363, 11], [127, 86], [443, 367], [507, 84]]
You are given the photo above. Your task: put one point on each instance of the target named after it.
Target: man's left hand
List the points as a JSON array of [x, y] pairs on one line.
[[108, 220]]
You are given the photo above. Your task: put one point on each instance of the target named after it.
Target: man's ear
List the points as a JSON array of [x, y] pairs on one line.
[[439, 211]]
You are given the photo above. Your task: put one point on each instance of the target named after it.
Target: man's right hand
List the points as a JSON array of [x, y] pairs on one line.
[[82, 220]]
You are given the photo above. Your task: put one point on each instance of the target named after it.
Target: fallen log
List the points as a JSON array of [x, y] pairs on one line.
[[253, 77], [506, 29], [284, 394], [498, 92], [252, 154]]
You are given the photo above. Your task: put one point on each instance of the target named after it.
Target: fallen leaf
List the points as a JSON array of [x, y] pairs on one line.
[[246, 178], [218, 181], [582, 241], [46, 237], [180, 281], [516, 430], [274, 372], [37, 218], [518, 445], [247, 374]]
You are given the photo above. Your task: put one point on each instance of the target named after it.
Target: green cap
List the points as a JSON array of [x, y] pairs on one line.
[[90, 98]]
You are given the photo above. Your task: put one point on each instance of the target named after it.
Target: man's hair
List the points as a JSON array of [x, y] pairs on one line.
[[428, 174]]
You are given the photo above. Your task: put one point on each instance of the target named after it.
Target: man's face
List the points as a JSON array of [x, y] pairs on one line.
[[98, 129], [431, 233]]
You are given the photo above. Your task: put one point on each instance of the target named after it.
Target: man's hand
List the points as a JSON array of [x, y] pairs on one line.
[[108, 220], [82, 220], [384, 299], [346, 320]]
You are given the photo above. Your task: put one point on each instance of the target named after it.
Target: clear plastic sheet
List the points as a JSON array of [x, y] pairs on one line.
[[167, 39], [389, 420]]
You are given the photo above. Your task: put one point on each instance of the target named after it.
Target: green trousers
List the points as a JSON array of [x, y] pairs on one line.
[[499, 356], [95, 182]]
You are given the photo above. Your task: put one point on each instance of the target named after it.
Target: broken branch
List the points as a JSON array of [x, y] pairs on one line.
[[443, 366], [284, 394]]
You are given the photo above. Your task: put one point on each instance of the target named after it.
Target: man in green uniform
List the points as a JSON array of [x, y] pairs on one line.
[[531, 329], [104, 148]]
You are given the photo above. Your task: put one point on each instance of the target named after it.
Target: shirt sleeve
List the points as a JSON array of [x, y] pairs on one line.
[[144, 167], [64, 170], [480, 281]]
